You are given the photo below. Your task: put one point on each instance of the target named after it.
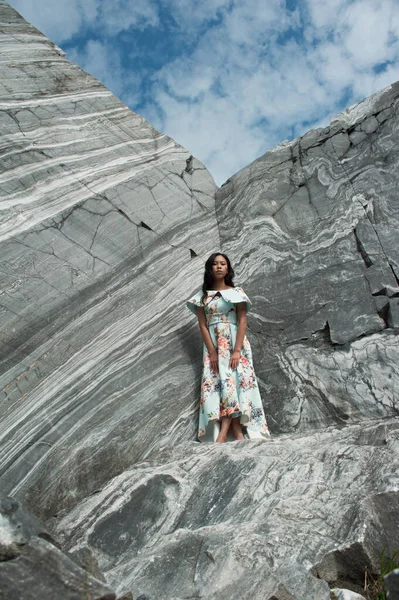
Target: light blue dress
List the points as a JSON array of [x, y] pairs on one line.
[[229, 393]]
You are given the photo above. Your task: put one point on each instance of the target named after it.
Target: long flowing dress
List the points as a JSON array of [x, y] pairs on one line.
[[228, 393]]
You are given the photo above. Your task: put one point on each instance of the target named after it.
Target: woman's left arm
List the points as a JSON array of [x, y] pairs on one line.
[[242, 327]]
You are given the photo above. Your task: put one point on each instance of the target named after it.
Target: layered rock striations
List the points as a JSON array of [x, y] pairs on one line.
[[282, 520], [104, 227], [313, 225], [101, 217]]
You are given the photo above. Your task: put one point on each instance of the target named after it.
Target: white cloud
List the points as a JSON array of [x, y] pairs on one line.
[[59, 22], [371, 32], [325, 15], [256, 21], [103, 60], [373, 82], [189, 16], [120, 15], [186, 79], [62, 19], [333, 66], [363, 36]]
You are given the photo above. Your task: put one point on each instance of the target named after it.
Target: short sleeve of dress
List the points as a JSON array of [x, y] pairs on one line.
[[194, 302], [237, 295]]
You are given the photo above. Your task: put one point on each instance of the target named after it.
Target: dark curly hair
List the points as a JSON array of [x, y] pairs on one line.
[[208, 275]]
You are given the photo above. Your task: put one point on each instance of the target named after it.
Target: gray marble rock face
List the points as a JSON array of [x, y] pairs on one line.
[[280, 520], [313, 224], [104, 227]]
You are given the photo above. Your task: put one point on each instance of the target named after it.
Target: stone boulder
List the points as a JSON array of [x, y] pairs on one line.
[[32, 565], [340, 594], [392, 585]]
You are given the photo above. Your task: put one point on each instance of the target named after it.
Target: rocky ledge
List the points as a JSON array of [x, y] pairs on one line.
[[281, 520]]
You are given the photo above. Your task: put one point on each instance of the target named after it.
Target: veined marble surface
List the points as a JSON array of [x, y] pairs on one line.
[[313, 226], [102, 219], [248, 519]]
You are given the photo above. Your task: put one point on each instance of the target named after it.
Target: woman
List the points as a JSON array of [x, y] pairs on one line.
[[230, 396]]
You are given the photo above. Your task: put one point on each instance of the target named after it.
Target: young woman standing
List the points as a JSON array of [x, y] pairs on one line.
[[230, 398]]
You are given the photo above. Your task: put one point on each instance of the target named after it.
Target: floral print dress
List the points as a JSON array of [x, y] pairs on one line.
[[229, 393]]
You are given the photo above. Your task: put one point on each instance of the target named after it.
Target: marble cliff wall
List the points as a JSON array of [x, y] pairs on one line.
[[101, 218], [313, 224], [105, 224]]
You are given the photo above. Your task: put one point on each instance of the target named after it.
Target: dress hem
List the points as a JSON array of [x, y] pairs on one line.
[[213, 428]]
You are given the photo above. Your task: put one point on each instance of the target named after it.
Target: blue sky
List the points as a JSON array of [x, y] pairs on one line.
[[229, 79]]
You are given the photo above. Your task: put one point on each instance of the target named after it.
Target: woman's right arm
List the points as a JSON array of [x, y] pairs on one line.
[[213, 355]]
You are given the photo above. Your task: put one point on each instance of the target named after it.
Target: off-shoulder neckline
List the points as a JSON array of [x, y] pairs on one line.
[[225, 290]]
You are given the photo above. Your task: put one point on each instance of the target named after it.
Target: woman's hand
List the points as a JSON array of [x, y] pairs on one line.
[[213, 357], [235, 359]]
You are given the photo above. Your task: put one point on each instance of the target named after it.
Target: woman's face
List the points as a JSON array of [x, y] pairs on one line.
[[219, 267]]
